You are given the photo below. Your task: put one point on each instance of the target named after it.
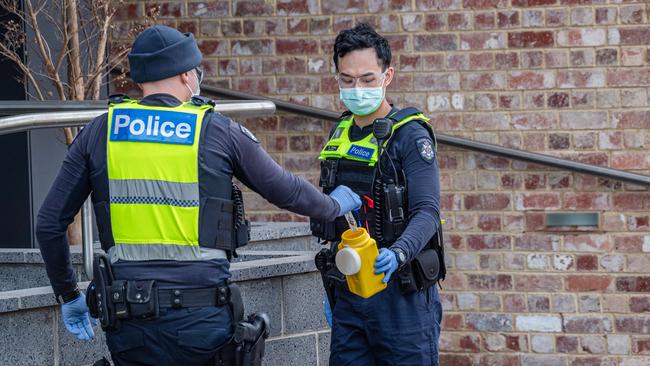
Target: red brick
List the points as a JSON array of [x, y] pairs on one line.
[[452, 321], [534, 121], [437, 82], [525, 3], [531, 80], [209, 9], [534, 181], [458, 61], [566, 344], [556, 17], [586, 201], [537, 201], [435, 42], [558, 100], [587, 324], [538, 283], [530, 39], [632, 14], [487, 202], [296, 7], [296, 46], [628, 324], [588, 243], [499, 360], [630, 160], [164, 10], [262, 124], [639, 304], [508, 19], [450, 202], [581, 79], [252, 8], [514, 303], [435, 22], [483, 81], [532, 59], [489, 222], [260, 85], [516, 343], [433, 62], [641, 346], [489, 282], [537, 242], [632, 201], [480, 122], [586, 283], [481, 4], [456, 360], [213, 48], [126, 12], [446, 122], [633, 284], [507, 61], [634, 36], [482, 40], [488, 242], [632, 119], [584, 120], [459, 21], [638, 77], [587, 263], [484, 20]]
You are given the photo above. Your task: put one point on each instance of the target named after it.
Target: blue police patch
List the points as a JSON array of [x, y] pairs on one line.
[[425, 147], [142, 125], [360, 152], [248, 133]]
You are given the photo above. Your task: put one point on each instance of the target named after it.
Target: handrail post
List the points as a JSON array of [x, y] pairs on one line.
[[87, 238]]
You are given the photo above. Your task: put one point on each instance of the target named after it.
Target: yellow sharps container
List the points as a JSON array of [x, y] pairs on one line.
[[355, 258]]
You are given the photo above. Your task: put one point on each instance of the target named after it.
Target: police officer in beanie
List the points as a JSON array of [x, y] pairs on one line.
[[387, 155], [160, 173]]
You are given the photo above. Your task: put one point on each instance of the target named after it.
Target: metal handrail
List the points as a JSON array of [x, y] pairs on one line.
[[82, 116], [459, 142]]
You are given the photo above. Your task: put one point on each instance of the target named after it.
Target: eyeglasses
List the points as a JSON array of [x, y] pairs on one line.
[[199, 74], [369, 80]]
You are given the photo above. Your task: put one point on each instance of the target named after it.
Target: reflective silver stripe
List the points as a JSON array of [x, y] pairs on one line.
[[153, 189], [149, 252]]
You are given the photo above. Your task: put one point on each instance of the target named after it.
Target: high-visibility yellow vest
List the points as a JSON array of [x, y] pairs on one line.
[[152, 162]]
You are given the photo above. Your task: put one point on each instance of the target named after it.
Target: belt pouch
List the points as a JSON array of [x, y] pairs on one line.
[[426, 266], [142, 297], [118, 297]]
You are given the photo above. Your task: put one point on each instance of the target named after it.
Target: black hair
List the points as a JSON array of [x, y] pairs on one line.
[[361, 37]]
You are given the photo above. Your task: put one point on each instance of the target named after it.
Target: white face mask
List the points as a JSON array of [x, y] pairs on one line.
[[196, 92]]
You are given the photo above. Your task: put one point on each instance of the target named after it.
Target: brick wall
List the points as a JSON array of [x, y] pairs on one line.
[[563, 77]]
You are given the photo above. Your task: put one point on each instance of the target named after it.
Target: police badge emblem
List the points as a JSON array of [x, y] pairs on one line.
[[425, 147]]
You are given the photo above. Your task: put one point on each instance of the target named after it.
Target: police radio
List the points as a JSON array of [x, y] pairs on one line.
[[392, 192]]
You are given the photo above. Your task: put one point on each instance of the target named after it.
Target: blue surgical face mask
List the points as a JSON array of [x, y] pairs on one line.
[[362, 101]]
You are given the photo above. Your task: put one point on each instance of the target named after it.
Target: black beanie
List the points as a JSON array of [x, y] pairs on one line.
[[160, 52]]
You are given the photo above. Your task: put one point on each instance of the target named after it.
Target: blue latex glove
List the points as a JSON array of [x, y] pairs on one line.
[[76, 318], [386, 263], [328, 311], [346, 199]]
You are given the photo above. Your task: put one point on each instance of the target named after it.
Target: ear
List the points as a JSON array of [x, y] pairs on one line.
[[185, 77], [390, 73]]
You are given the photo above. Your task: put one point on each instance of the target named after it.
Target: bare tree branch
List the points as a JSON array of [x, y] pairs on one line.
[[42, 49], [74, 58], [25, 70]]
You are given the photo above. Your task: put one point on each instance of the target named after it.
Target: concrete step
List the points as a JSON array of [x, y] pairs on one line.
[[24, 268]]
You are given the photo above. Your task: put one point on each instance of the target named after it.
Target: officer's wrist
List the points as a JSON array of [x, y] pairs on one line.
[[400, 256], [69, 296]]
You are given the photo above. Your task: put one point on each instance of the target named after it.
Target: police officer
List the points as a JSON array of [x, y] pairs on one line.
[[160, 173], [399, 186]]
